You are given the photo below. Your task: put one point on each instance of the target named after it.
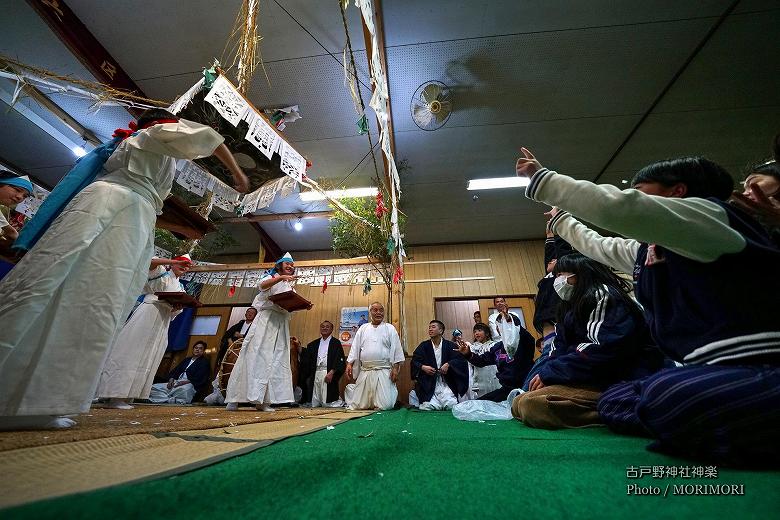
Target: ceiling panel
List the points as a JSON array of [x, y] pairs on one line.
[[545, 76], [578, 147], [32, 149], [315, 234], [412, 21], [737, 137], [736, 68], [162, 38]]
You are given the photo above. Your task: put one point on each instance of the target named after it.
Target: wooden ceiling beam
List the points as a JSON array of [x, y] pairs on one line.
[[272, 249], [84, 46]]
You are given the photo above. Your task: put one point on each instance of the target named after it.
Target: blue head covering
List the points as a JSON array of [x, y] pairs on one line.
[[287, 257], [20, 182]]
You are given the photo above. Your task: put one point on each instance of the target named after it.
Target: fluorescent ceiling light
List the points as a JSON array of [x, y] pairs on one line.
[[340, 194], [78, 151], [498, 182]]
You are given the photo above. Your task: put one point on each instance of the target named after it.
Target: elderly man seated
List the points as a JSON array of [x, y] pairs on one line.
[[184, 380]]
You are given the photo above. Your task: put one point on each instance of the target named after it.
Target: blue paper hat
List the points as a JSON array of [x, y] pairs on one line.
[[21, 182]]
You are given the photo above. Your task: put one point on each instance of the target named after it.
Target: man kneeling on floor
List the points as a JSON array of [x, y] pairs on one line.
[[441, 373], [184, 380], [374, 361]]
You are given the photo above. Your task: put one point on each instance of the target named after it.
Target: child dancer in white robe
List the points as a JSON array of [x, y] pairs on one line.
[[262, 373], [65, 301], [128, 373]]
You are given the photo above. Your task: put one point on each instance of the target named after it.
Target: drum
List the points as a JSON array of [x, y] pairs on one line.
[[228, 362]]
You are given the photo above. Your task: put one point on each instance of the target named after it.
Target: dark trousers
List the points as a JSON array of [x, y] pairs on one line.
[[497, 395], [724, 414]]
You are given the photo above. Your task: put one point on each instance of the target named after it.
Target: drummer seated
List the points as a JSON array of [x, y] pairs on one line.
[[185, 380]]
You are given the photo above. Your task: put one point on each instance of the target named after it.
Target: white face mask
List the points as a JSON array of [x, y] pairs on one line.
[[563, 288]]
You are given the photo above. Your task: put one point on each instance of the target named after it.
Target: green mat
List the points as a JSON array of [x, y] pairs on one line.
[[427, 465]]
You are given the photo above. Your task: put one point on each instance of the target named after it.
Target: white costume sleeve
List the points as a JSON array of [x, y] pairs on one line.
[[354, 351], [618, 253], [182, 140], [493, 328], [396, 351], [692, 227]]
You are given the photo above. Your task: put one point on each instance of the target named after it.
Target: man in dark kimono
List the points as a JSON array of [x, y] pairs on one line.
[[235, 332], [440, 371], [321, 367]]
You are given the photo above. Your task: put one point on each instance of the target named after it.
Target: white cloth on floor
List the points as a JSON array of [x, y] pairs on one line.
[[140, 346], [181, 394], [375, 349], [215, 397], [262, 371], [63, 304]]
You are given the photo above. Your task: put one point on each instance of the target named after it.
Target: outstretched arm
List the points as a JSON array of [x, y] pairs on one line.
[[240, 180], [694, 228]]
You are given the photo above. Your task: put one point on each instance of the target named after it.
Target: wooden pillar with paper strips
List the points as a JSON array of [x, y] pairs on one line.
[[373, 35]]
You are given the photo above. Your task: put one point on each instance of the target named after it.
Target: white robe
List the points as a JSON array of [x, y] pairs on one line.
[[262, 371], [140, 346], [66, 300], [483, 379], [374, 351]]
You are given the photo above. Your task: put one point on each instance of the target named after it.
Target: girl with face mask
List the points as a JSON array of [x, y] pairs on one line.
[[761, 196], [601, 338]]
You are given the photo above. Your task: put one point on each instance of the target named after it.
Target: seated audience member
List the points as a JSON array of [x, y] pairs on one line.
[[505, 326], [689, 252], [483, 379], [601, 339], [547, 300], [374, 361], [512, 366], [13, 190], [321, 366], [185, 380], [761, 196], [440, 372], [477, 317], [236, 332]]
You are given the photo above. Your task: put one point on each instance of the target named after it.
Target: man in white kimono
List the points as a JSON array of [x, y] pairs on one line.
[[374, 360]]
